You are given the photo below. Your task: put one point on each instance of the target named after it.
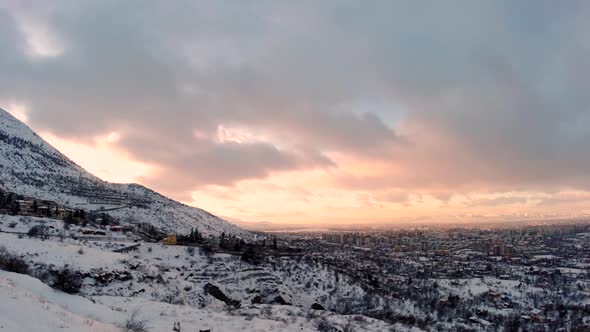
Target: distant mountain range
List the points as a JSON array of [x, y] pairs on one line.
[[32, 167]]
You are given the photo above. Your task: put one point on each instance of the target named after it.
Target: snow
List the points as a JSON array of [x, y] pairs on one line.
[[162, 316], [23, 224], [60, 254], [545, 257], [29, 305], [185, 274]]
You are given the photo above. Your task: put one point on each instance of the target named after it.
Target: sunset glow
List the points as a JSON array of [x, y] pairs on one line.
[[320, 197]]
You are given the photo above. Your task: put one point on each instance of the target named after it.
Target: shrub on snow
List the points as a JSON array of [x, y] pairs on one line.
[[12, 263]]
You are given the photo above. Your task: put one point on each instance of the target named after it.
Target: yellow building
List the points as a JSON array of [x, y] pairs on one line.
[[170, 240]]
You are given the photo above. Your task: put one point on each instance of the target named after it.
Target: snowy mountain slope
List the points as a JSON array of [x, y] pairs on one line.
[[29, 305], [32, 167], [24, 298]]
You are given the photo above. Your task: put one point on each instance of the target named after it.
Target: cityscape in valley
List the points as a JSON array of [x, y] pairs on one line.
[[333, 166]]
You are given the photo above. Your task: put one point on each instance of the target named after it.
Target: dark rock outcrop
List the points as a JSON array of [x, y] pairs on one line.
[[317, 306], [218, 294]]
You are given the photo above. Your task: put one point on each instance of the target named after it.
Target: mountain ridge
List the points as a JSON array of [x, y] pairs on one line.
[[30, 166]]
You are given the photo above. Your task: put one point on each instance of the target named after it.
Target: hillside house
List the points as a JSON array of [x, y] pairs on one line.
[[170, 240]]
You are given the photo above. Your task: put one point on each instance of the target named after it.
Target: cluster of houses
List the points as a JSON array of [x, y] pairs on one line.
[[30, 206], [212, 243]]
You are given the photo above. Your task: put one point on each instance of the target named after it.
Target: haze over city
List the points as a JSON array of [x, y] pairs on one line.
[[334, 112]]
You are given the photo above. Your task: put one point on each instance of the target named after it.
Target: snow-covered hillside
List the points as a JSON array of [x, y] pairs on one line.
[[177, 274], [29, 305], [165, 285], [30, 166]]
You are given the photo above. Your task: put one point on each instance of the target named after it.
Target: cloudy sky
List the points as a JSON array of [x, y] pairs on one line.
[[315, 111]]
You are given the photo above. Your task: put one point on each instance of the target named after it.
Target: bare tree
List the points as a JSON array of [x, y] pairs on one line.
[[134, 324]]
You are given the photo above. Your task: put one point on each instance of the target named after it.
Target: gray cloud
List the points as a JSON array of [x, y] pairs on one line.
[[490, 97], [195, 163]]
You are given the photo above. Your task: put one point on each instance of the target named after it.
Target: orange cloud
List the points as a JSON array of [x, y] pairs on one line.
[[101, 158]]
